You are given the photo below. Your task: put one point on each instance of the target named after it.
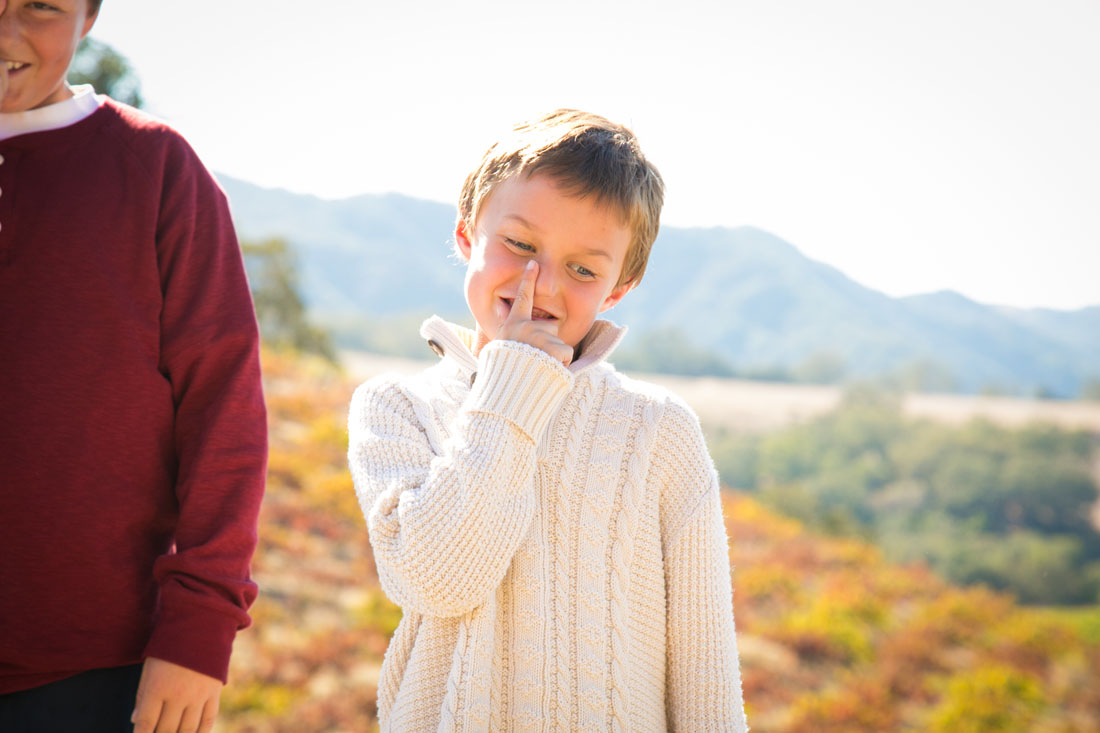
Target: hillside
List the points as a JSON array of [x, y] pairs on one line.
[[740, 301], [832, 637]]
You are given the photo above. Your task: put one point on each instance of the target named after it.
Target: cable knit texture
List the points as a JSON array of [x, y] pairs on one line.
[[554, 537]]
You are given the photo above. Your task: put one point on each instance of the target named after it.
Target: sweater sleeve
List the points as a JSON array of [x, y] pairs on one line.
[[444, 526], [704, 679], [210, 356]]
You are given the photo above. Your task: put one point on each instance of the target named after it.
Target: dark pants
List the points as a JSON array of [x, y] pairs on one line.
[[99, 701]]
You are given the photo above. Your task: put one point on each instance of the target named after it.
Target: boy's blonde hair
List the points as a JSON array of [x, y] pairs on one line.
[[589, 156]]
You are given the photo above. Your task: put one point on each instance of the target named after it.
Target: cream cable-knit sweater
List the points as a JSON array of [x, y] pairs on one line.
[[555, 539]]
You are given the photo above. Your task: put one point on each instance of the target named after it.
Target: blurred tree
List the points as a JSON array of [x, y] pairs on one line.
[[921, 375], [979, 503], [670, 351], [736, 455], [395, 335], [273, 278], [822, 367], [993, 699], [108, 71], [1091, 390]]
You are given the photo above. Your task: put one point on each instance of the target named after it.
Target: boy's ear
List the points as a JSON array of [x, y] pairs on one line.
[[462, 240], [617, 294]]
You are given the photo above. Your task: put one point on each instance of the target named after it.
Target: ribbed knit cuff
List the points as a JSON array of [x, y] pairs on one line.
[[520, 382], [200, 639]]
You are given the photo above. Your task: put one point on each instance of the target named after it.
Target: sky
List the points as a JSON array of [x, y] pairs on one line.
[[915, 146]]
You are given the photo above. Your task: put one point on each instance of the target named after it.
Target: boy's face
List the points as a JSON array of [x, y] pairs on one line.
[[580, 246], [37, 41]]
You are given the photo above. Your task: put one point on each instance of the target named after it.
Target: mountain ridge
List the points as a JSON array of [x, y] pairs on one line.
[[743, 295]]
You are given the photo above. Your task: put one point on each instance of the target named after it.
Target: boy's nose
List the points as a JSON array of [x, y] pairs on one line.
[[546, 284]]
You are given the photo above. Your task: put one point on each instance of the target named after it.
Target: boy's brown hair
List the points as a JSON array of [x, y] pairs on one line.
[[589, 156], [93, 6]]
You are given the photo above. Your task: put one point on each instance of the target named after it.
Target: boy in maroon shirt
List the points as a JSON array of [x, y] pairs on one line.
[[132, 425]]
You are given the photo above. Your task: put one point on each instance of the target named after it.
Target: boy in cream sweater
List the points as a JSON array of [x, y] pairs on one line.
[[551, 528]]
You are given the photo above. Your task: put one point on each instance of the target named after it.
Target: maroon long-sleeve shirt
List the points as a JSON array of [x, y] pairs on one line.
[[132, 426]]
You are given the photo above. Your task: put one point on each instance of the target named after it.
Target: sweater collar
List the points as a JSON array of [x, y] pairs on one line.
[[457, 343]]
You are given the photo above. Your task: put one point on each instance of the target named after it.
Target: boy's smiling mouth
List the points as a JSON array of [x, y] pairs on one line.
[[14, 65], [537, 314]]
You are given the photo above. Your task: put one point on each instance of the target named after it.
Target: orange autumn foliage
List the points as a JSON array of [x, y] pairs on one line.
[[832, 637]]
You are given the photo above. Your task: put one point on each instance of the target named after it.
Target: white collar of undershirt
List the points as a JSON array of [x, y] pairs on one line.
[[53, 116]]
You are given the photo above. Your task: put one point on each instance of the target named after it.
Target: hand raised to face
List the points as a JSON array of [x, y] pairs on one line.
[[520, 326]]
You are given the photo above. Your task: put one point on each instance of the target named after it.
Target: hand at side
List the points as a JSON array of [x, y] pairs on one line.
[[172, 699]]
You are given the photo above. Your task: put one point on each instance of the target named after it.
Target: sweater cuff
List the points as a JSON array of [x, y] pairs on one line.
[[520, 382], [200, 639]]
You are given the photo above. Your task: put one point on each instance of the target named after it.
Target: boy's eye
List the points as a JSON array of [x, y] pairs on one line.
[[519, 245], [584, 272]]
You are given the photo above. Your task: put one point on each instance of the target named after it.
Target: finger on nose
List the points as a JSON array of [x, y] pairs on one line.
[[526, 290]]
